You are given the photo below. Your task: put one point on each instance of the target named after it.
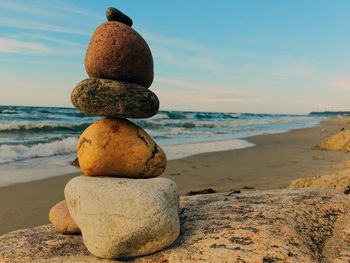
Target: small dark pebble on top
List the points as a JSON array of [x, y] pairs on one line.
[[114, 14]]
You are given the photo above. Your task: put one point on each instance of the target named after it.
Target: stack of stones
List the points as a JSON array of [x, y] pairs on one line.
[[120, 205]]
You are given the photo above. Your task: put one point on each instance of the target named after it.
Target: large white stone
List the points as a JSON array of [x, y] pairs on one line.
[[121, 217]]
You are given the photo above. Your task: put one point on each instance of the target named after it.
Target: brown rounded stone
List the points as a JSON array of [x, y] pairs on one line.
[[119, 148], [113, 98], [60, 217], [118, 52]]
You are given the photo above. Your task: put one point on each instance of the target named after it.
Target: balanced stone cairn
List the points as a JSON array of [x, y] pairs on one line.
[[120, 205]]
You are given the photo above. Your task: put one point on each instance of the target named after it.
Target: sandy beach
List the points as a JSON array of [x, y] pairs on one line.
[[276, 160]]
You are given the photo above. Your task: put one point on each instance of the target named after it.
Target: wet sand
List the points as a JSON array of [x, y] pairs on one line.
[[276, 160]]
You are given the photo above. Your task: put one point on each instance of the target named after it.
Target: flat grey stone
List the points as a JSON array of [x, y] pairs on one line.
[[115, 99]]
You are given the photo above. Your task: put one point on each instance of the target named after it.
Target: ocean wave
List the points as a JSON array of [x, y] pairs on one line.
[[216, 115], [37, 132], [180, 115], [25, 126], [156, 124], [176, 131], [11, 153], [43, 112], [8, 112], [159, 116], [150, 124], [66, 114]]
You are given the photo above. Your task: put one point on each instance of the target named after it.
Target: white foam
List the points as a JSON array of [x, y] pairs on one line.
[[215, 124], [184, 150], [8, 111], [27, 125], [10, 153], [36, 169]]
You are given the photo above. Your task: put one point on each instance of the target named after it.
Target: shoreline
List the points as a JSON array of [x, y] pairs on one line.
[[175, 152], [276, 160]]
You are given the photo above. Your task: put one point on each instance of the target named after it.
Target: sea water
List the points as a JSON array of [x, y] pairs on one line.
[[34, 138]]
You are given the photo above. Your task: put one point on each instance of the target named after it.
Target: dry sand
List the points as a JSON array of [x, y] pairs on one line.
[[276, 160]]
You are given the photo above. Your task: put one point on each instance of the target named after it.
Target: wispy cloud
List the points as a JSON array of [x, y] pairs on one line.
[[182, 53], [341, 84], [174, 42], [183, 58], [199, 86], [298, 69], [11, 6], [66, 8], [39, 45], [339, 80], [39, 91], [185, 94], [8, 45], [176, 57], [26, 24], [45, 9], [44, 38], [190, 100]]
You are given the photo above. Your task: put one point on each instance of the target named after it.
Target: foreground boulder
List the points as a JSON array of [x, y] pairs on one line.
[[267, 226], [339, 181], [60, 217], [124, 217], [118, 147]]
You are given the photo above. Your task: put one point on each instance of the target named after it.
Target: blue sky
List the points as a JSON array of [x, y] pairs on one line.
[[236, 56]]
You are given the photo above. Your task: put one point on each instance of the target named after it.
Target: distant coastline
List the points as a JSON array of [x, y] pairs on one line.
[[330, 114]]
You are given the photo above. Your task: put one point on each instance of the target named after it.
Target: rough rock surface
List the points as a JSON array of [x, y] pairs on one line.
[[121, 217], [267, 226], [60, 217], [336, 142], [339, 181], [118, 147], [112, 98], [116, 51]]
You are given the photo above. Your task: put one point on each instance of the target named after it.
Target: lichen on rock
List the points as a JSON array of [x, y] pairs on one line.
[[257, 226]]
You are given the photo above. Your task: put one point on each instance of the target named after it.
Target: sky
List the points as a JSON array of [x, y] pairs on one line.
[[256, 56]]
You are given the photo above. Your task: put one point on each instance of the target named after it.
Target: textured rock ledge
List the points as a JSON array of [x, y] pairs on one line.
[[338, 181], [267, 226]]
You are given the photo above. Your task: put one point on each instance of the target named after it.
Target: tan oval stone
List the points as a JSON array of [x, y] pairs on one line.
[[120, 148], [116, 51], [60, 217]]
